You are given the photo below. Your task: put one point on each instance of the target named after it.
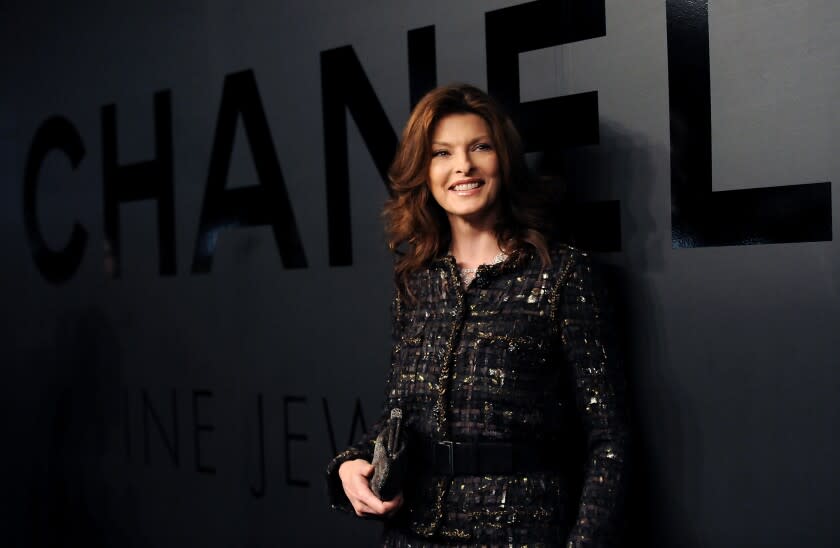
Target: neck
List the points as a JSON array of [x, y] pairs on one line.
[[473, 244]]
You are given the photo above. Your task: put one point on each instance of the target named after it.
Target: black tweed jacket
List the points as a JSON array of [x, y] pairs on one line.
[[517, 356]]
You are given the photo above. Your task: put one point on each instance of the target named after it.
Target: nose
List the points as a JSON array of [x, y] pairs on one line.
[[464, 163]]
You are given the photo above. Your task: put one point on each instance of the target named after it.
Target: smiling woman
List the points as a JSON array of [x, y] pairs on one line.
[[512, 409], [454, 129], [464, 170]]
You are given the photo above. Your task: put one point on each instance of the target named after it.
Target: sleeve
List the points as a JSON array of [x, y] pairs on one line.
[[599, 395], [363, 448]]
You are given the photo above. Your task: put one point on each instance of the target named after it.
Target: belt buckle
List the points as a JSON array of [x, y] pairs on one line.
[[498, 458], [449, 470]]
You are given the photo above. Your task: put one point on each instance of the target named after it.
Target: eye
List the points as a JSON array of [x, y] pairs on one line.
[[483, 146], [440, 153]]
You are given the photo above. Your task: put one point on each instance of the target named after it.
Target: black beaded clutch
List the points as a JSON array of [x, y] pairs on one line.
[[389, 458]]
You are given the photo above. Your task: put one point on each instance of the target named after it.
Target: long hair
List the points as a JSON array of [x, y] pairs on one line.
[[414, 220]]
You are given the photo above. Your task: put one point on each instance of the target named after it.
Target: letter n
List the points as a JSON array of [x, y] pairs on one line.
[[344, 85]]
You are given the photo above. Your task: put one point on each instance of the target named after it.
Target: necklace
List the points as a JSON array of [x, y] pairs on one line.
[[468, 274]]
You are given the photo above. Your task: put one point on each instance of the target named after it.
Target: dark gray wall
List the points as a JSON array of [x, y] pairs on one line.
[[134, 407]]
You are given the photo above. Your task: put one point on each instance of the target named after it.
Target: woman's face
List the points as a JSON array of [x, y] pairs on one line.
[[464, 172]]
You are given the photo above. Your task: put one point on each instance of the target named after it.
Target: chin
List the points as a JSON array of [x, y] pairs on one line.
[[476, 214]]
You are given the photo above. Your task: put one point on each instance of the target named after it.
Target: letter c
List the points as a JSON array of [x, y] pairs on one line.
[[56, 266]]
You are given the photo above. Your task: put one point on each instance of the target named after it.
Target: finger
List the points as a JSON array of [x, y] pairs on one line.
[[390, 509], [372, 503], [361, 509], [361, 504], [367, 471], [390, 503], [365, 496], [393, 505], [395, 502], [361, 490], [365, 509]]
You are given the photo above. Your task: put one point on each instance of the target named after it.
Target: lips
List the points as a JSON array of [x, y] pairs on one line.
[[466, 184]]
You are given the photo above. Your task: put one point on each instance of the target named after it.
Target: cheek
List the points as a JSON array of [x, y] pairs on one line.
[[433, 185], [496, 171], [491, 166], [437, 177]]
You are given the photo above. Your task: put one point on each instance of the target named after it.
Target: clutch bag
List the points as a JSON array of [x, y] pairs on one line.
[[389, 458]]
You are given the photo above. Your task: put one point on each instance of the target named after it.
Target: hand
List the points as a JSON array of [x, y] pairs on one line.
[[355, 478]]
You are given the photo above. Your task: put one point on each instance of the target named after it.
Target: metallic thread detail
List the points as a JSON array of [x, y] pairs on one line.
[[482, 363]]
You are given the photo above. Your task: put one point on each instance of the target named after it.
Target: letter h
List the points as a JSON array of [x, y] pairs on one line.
[[149, 180]]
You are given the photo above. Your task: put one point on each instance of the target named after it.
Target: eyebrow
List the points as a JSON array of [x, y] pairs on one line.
[[480, 138]]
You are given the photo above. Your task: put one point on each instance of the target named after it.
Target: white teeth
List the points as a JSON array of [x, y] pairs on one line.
[[466, 186]]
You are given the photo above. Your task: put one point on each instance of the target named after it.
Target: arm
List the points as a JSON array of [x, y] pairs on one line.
[[598, 388], [348, 472]]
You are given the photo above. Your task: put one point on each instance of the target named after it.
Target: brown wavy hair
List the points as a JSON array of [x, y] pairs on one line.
[[416, 227]]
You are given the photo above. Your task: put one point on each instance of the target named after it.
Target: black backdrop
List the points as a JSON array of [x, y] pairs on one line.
[[189, 189]]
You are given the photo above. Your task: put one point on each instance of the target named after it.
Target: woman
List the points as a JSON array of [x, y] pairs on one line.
[[497, 364]]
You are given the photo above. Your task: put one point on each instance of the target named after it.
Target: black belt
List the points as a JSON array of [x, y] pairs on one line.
[[480, 458]]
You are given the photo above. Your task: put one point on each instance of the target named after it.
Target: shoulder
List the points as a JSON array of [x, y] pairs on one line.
[[419, 284], [567, 259]]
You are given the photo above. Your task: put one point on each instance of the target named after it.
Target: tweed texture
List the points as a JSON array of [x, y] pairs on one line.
[[516, 356]]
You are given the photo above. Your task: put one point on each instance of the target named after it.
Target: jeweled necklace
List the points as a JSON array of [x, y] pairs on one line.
[[468, 274]]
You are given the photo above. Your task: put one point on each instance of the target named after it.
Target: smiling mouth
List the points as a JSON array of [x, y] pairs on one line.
[[466, 185]]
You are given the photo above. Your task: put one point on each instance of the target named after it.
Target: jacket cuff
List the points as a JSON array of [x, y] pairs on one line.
[[335, 490]]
